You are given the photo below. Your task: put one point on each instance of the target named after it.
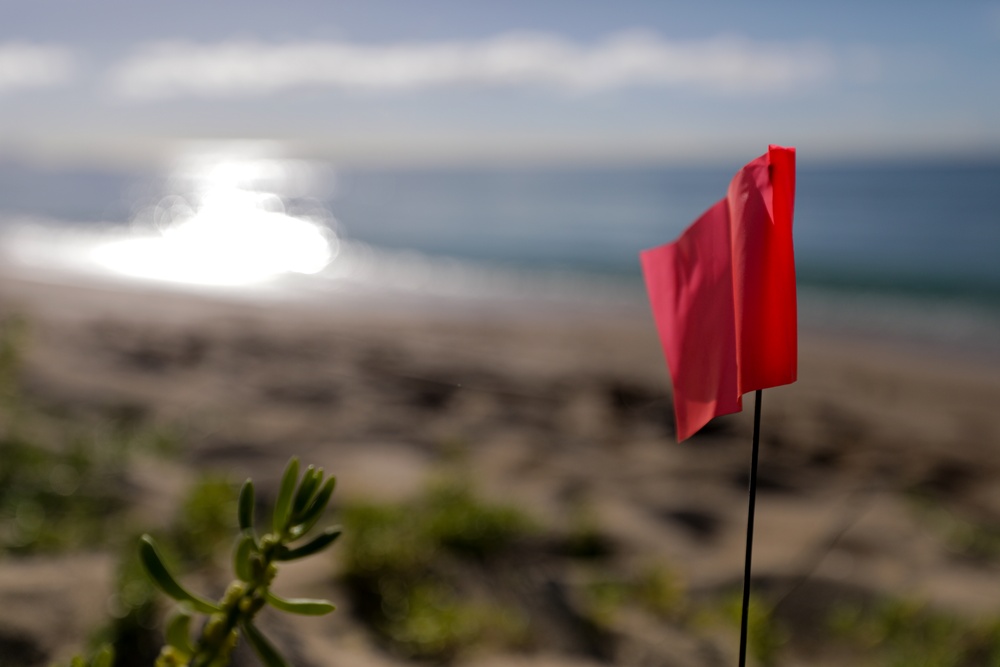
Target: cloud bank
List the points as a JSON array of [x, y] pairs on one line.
[[245, 68], [24, 65]]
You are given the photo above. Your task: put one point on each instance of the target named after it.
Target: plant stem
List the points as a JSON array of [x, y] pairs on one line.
[[240, 604]]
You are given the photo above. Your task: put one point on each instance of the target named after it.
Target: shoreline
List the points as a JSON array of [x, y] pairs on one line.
[[40, 288]]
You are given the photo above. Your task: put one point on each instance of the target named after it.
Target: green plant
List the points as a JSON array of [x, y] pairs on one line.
[[13, 334], [963, 535], [299, 506], [133, 627], [202, 524], [447, 517], [406, 565], [585, 539], [656, 590], [603, 598], [194, 541], [907, 632], [426, 619], [53, 499], [61, 482], [659, 591], [461, 523], [765, 635], [104, 657]]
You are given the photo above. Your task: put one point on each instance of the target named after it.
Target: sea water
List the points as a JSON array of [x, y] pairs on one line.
[[896, 248]]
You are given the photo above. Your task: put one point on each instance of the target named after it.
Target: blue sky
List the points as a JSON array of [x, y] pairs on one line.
[[559, 81]]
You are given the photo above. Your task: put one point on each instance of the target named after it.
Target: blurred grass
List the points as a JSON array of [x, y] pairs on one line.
[[58, 500], [766, 636], [197, 538], [901, 632], [397, 570], [971, 538], [63, 483], [204, 526], [63, 480], [408, 568], [64, 487], [654, 589]]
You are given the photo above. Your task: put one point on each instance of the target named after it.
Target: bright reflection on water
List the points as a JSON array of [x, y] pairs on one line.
[[227, 224]]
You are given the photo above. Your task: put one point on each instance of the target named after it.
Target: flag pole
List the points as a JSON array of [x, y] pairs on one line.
[[750, 512]]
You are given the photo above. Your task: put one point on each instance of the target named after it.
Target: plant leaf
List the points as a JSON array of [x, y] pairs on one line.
[[262, 646], [178, 632], [314, 545], [284, 502], [104, 658], [161, 576], [246, 506], [314, 512], [241, 557], [307, 489], [303, 606]]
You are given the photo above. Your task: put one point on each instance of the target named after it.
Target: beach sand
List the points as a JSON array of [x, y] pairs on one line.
[[872, 464]]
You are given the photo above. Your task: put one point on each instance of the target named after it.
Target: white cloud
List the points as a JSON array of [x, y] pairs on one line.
[[724, 64], [25, 65]]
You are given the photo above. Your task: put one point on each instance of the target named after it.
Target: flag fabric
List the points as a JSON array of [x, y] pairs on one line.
[[723, 295]]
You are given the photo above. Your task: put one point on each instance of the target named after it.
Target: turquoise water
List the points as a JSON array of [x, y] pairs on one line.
[[910, 228]]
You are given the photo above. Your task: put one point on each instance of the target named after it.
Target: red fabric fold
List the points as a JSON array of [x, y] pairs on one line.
[[723, 295]]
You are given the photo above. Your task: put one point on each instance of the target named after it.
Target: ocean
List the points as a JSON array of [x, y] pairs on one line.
[[903, 249]]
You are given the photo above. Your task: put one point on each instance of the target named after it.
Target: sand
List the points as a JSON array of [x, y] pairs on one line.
[[868, 462]]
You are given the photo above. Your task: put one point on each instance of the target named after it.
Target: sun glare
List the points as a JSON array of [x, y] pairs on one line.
[[230, 227]]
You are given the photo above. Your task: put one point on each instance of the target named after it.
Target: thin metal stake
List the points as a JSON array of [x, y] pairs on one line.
[[750, 513]]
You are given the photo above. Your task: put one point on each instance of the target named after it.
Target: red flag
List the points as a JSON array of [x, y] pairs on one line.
[[723, 295]]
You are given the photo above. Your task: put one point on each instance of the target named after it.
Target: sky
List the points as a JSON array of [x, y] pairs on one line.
[[442, 81]]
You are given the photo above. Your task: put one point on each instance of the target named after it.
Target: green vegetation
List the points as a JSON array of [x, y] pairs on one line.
[[585, 539], [898, 633], [204, 522], [131, 638], [976, 540], [62, 487], [401, 564], [53, 500], [133, 628], [299, 506], [104, 657], [432, 577], [199, 533], [765, 635], [655, 590], [456, 520], [62, 480], [13, 338]]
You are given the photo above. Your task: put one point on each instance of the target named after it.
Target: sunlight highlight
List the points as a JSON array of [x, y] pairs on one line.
[[234, 231]]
